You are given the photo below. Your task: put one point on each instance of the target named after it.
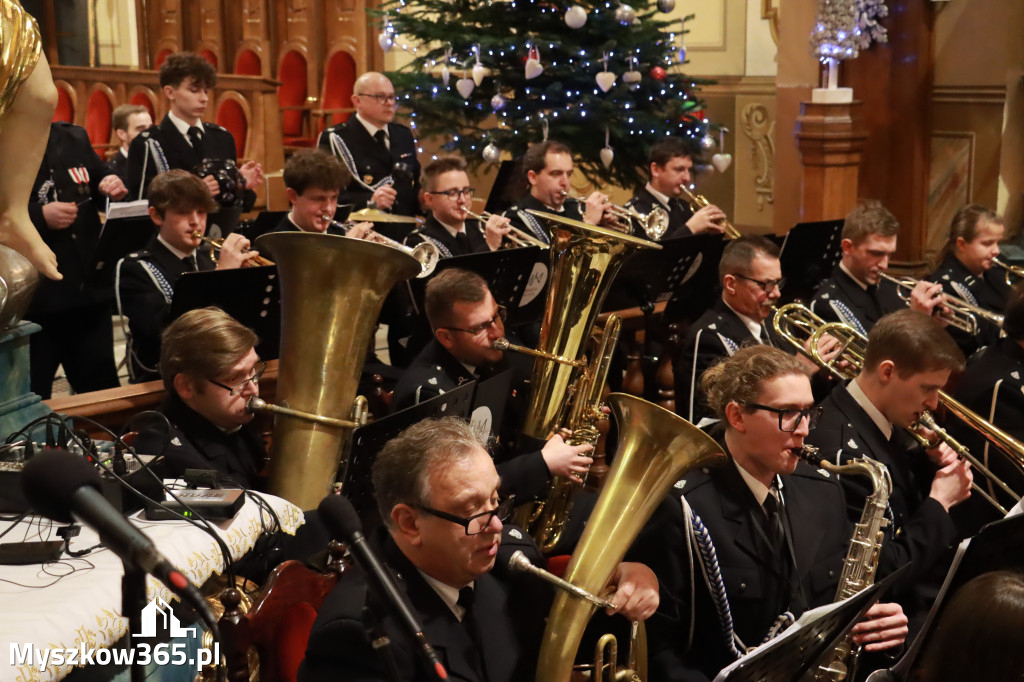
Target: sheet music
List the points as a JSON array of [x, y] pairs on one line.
[[128, 209]]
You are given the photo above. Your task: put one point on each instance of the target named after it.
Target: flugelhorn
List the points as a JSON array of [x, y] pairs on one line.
[[1012, 272], [425, 253], [958, 312], [654, 223], [218, 243], [516, 236], [699, 201]]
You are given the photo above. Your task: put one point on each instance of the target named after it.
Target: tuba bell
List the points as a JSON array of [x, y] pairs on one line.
[[332, 290]]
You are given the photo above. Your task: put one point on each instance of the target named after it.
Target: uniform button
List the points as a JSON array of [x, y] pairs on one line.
[[831, 574], [743, 586]]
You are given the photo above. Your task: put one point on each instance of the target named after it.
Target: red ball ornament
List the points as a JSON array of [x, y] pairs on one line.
[[658, 73]]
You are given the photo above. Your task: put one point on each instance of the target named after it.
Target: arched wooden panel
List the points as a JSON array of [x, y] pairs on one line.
[[98, 109], [233, 113], [161, 57], [248, 63], [67, 102], [210, 56], [339, 78], [145, 97], [291, 71]]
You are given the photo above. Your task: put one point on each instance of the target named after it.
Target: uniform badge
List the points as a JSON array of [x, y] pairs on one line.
[[367, 179], [1015, 375], [824, 473], [80, 175], [852, 445], [175, 441], [515, 534], [680, 484]]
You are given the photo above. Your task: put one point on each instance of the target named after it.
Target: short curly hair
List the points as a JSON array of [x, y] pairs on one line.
[[178, 67]]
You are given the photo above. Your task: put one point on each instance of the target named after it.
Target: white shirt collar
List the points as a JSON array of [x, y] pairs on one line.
[[862, 285], [123, 151], [883, 424], [183, 127], [370, 128], [180, 254], [452, 230], [753, 325], [760, 490], [449, 595], [663, 199]]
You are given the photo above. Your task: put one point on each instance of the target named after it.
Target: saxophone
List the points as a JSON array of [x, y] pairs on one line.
[[861, 560]]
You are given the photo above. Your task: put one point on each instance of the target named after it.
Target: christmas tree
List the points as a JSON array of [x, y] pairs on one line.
[[491, 76]]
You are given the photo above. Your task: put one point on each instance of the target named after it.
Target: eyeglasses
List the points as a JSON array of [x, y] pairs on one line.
[[767, 285], [500, 314], [257, 373], [477, 523], [789, 418], [454, 194], [381, 99]]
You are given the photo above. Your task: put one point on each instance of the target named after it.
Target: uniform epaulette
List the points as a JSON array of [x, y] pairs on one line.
[[214, 126], [142, 254]]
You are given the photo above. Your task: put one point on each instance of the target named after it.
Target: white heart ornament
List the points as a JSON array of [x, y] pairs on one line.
[[721, 162], [479, 71], [632, 77], [465, 87], [533, 68], [607, 154], [605, 80], [445, 75], [385, 41]]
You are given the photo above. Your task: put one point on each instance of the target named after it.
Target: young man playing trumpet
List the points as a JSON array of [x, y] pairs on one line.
[[178, 204], [312, 179]]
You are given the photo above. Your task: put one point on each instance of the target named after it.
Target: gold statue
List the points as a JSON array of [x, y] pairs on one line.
[[28, 99]]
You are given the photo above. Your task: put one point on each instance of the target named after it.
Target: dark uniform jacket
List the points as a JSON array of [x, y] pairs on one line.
[[118, 165], [572, 208], [989, 291], [507, 609], [678, 213], [449, 246], [841, 299], [435, 371], [217, 143], [373, 163], [194, 442], [760, 583], [145, 281], [921, 530]]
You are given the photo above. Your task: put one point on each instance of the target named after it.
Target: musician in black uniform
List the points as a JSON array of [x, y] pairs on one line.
[[311, 181], [128, 120], [855, 293], [379, 153], [183, 140], [178, 204], [466, 321], [966, 270], [210, 369], [777, 524], [548, 167], [437, 492], [670, 162], [909, 358], [447, 195], [70, 189]]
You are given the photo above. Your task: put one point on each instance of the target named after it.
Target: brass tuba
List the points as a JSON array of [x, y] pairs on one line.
[[656, 447], [332, 290]]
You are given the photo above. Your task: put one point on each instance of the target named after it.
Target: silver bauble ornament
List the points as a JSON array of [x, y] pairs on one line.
[[666, 6], [498, 102], [491, 153], [707, 143], [625, 14], [575, 17]]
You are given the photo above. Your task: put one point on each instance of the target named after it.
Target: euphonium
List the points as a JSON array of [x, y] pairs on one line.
[[861, 560], [656, 448], [332, 290]]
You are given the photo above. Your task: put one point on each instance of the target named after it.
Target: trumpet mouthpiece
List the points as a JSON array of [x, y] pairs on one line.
[[255, 404]]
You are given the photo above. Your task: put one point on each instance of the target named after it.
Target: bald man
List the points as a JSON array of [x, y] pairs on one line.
[[380, 154]]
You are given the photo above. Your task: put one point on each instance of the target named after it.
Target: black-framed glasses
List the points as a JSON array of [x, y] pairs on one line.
[[257, 373], [476, 523], [500, 314], [790, 418], [454, 194], [383, 99], [767, 285]]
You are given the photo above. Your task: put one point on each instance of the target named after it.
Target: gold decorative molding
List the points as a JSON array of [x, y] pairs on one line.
[[770, 11], [760, 130], [725, 86], [967, 94]]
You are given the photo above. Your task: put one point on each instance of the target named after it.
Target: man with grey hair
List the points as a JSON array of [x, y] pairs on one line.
[[379, 153], [437, 492]]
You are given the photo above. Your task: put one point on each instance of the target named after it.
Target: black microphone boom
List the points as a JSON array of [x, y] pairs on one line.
[[341, 520], [65, 487]]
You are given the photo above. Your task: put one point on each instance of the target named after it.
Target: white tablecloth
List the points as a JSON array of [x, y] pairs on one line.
[[39, 607]]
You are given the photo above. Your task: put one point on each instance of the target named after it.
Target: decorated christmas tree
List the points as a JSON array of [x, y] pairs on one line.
[[606, 79]]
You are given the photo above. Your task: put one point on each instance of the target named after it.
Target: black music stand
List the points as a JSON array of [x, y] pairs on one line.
[[264, 222], [693, 282], [250, 295], [801, 647], [223, 222], [366, 442], [487, 412], [118, 238], [810, 252], [507, 188]]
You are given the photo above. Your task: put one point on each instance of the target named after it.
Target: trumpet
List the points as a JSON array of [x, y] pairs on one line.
[[516, 236], [218, 243], [654, 223], [1012, 272], [958, 313], [798, 325], [425, 253], [699, 201]]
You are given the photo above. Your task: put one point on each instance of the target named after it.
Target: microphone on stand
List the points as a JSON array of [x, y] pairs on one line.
[[342, 521]]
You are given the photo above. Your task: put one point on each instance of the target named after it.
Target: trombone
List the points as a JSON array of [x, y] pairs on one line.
[[699, 201], [959, 313], [425, 253], [518, 237], [654, 223], [798, 325], [1011, 271], [218, 243]]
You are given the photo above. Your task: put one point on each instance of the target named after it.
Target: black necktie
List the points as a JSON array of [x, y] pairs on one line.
[[382, 139], [195, 136], [190, 263], [462, 243], [776, 532], [467, 597]]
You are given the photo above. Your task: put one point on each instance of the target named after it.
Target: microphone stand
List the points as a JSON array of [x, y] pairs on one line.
[[381, 643], [133, 601]]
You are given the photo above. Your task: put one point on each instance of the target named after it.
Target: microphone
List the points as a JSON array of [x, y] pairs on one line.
[[66, 488], [342, 521]]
